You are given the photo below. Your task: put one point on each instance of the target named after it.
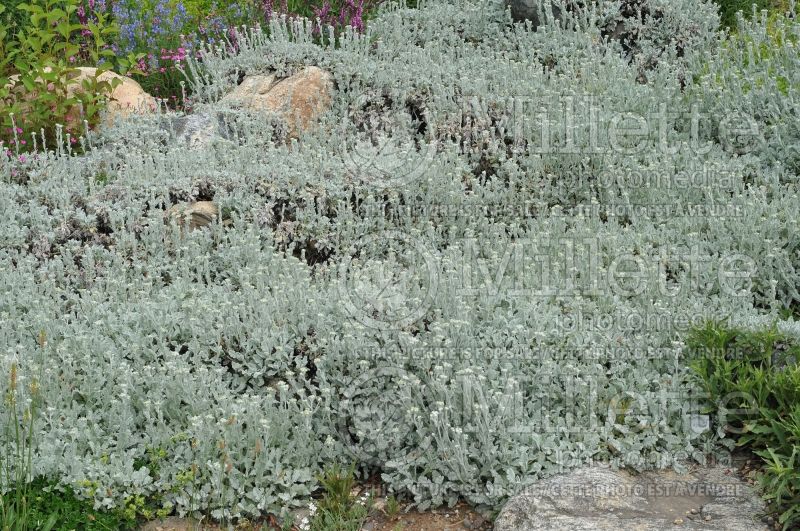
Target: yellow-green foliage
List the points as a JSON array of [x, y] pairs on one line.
[[754, 380]]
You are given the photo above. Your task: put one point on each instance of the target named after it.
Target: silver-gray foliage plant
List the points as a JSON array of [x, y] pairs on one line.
[[241, 356]]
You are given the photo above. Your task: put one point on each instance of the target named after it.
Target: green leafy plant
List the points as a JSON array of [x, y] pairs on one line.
[[40, 504], [338, 508], [17, 511], [41, 84], [754, 379], [392, 506], [51, 506], [729, 8]]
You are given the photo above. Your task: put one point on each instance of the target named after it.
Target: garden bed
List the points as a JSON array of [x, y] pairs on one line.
[[472, 265]]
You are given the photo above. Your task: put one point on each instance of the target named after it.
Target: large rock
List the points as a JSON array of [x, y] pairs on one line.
[[597, 498], [197, 130], [201, 129], [299, 99], [522, 10], [127, 98]]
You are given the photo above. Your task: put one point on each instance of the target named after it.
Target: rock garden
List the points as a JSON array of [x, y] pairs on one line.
[[447, 264]]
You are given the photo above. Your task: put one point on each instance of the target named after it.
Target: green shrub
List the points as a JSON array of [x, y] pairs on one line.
[[338, 508], [729, 8], [17, 511], [51, 506], [754, 378], [14, 17], [38, 61]]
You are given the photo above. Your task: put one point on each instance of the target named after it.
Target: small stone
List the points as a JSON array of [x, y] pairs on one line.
[[379, 504], [198, 214], [694, 511], [678, 521], [473, 522], [707, 518], [300, 514]]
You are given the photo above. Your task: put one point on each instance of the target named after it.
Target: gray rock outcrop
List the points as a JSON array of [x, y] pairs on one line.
[[596, 498]]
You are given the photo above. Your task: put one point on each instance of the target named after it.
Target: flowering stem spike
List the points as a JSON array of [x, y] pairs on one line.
[[14, 130]]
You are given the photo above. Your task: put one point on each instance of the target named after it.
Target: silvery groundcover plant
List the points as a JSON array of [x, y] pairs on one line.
[[474, 272]]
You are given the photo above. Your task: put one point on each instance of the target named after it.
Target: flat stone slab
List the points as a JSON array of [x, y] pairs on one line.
[[172, 523], [197, 130], [598, 498]]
